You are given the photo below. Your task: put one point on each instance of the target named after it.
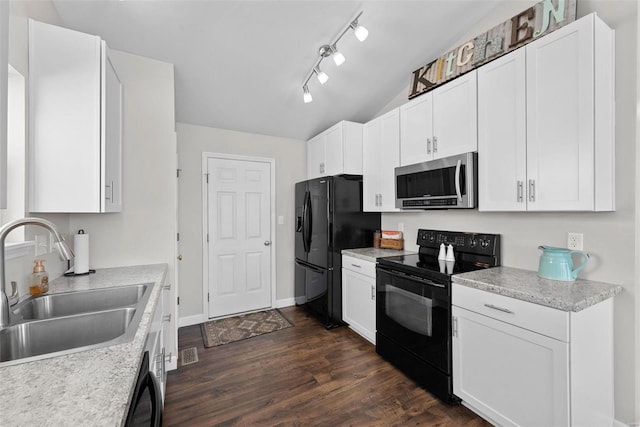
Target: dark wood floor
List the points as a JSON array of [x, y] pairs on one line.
[[300, 376]]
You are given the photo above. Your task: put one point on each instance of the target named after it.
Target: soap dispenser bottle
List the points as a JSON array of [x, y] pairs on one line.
[[39, 279]]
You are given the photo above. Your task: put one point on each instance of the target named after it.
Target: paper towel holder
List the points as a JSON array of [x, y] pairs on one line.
[[70, 271]]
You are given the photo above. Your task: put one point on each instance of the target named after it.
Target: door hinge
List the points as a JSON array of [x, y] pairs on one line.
[[178, 173], [207, 177], [178, 237], [208, 297], [178, 300], [207, 237]]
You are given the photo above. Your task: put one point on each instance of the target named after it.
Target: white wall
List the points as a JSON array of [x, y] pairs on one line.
[[144, 232], [608, 237], [290, 156]]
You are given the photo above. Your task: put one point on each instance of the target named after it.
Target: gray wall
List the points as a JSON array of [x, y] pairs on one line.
[[290, 160], [608, 237]]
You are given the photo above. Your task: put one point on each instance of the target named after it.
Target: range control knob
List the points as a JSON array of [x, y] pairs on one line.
[[485, 243], [473, 243], [432, 238]]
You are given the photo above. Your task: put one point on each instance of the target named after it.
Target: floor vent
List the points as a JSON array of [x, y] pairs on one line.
[[189, 356]]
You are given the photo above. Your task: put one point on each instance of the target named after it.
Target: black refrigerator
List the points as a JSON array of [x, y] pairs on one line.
[[328, 218]]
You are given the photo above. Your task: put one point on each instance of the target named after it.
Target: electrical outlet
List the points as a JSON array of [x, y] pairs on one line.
[[575, 241]]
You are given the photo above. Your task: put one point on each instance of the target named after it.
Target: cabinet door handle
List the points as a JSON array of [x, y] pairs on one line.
[[435, 144], [166, 318], [428, 145], [504, 310], [454, 326], [167, 287], [373, 292], [380, 199], [532, 190], [520, 191]]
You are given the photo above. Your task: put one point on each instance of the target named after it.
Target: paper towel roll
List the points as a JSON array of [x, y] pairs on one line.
[[81, 250]]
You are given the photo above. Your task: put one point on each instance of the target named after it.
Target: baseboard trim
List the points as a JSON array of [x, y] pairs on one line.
[[191, 320], [617, 423], [287, 302]]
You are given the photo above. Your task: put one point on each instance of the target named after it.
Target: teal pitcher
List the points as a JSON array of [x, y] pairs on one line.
[[557, 263]]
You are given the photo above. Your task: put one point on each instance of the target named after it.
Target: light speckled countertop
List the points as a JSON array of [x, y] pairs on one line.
[[527, 286], [86, 388], [371, 254]]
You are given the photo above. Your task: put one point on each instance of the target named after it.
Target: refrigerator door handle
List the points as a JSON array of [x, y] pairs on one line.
[[307, 229]]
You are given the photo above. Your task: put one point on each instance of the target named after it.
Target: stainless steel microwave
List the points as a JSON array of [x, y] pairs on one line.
[[447, 183]]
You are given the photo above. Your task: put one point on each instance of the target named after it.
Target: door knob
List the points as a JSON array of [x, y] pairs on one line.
[[267, 243], [179, 257]]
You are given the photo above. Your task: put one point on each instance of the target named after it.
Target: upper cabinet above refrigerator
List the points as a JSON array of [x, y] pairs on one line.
[[336, 151], [75, 123]]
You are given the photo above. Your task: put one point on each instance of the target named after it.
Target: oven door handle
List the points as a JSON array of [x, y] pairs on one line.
[[458, 192], [414, 278]]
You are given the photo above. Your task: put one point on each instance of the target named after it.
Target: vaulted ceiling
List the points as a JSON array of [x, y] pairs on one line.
[[240, 65]]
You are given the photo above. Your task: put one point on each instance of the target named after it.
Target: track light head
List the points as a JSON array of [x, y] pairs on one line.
[[306, 97], [360, 32], [322, 76], [338, 57]]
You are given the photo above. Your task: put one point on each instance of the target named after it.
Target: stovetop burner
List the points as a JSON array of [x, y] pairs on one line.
[[473, 251]]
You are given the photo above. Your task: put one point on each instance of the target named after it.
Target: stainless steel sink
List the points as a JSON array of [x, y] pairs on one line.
[[58, 324], [65, 304], [63, 333]]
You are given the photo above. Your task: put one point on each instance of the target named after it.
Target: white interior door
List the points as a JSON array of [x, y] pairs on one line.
[[239, 235]]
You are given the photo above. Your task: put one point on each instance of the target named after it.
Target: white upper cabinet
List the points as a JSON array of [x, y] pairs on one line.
[[570, 121], [546, 123], [502, 139], [441, 123], [381, 155], [75, 123], [336, 151]]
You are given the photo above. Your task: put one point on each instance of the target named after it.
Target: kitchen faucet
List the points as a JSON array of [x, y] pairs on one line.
[[65, 252]]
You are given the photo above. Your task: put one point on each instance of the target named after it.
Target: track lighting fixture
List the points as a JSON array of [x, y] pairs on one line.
[[331, 49]]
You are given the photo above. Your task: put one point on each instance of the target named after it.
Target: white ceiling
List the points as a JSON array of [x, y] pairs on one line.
[[240, 65]]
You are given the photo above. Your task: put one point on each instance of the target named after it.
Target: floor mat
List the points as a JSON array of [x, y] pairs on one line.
[[231, 329]]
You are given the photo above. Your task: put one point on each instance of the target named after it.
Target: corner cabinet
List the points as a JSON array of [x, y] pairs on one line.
[[359, 296], [75, 123], [518, 363], [336, 151], [381, 155], [546, 123], [440, 123]]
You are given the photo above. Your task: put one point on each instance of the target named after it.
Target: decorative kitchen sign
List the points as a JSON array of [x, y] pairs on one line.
[[538, 20]]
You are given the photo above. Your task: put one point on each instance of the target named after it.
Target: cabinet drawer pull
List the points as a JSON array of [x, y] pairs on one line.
[[356, 265], [504, 310], [166, 287], [166, 318]]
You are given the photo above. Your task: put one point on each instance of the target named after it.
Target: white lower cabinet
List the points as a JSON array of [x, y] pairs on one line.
[[521, 364], [359, 296]]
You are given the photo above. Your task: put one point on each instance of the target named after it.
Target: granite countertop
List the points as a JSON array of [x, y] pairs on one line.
[[372, 254], [90, 387], [527, 286]]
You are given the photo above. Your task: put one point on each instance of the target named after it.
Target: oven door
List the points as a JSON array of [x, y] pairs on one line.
[[415, 314]]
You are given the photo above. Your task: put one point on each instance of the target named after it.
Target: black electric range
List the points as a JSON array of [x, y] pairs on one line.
[[413, 304]]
